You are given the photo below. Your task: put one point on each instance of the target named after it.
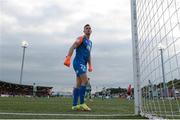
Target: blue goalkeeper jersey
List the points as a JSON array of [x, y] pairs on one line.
[[83, 51], [82, 56]]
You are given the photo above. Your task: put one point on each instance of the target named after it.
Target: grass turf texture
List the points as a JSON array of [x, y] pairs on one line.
[[61, 108]]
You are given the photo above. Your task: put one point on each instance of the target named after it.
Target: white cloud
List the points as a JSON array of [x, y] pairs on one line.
[[26, 7], [51, 26], [104, 15], [7, 20]]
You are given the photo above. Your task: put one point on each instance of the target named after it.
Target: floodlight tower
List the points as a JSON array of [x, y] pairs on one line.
[[161, 47], [24, 45]]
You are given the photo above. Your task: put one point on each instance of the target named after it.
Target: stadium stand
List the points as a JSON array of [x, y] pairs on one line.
[[13, 89]]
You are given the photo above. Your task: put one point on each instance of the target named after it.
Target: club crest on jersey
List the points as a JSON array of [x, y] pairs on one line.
[[88, 47]]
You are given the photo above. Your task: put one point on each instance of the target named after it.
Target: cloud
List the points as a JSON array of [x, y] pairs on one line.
[[51, 27]]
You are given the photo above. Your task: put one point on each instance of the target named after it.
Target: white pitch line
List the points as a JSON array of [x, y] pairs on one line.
[[48, 114]]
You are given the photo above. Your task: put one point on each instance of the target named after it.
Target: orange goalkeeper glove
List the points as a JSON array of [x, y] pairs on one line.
[[67, 61]]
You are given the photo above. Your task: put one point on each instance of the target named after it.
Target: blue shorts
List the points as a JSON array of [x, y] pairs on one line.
[[79, 68]]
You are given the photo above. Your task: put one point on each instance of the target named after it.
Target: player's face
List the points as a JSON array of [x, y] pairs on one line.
[[87, 30]]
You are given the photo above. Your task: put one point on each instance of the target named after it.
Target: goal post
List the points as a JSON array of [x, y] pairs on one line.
[[136, 75]]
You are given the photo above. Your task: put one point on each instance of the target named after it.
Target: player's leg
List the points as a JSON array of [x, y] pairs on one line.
[[76, 93], [83, 78], [86, 96], [90, 96], [76, 88], [82, 90]]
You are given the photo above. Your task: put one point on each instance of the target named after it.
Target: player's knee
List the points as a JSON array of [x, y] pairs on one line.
[[83, 83], [78, 85], [83, 79]]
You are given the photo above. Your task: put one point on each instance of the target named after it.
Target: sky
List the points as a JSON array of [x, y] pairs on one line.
[[50, 27]]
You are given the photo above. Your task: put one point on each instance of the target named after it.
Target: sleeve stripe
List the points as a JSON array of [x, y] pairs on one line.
[[79, 40]]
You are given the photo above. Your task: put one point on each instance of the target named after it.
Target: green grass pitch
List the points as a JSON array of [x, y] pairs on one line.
[[57, 107]]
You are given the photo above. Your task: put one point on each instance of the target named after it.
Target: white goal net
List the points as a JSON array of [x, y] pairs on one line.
[[157, 25]]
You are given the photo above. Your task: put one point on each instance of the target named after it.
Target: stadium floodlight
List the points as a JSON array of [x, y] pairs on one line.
[[161, 47], [24, 45]]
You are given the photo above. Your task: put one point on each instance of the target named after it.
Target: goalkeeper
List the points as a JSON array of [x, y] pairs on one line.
[[83, 47]]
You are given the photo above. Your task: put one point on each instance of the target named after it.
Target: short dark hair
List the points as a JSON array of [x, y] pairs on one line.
[[86, 25]]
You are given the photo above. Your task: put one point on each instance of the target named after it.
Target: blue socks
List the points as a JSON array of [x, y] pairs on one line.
[[79, 92], [75, 96], [82, 93]]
